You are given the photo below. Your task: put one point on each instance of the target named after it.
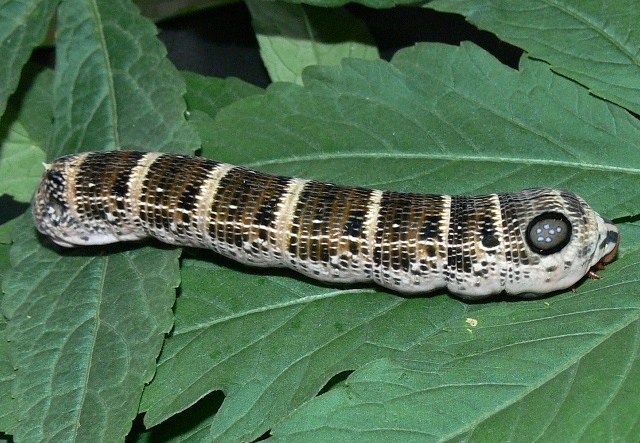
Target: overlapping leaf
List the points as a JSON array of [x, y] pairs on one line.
[[289, 338], [114, 86], [30, 106], [24, 124], [84, 330], [84, 344], [20, 165], [6, 369], [378, 4], [437, 119], [569, 364], [292, 37], [24, 127], [208, 95], [595, 43], [23, 26]]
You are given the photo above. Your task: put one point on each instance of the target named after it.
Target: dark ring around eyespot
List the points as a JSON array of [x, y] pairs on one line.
[[548, 233]]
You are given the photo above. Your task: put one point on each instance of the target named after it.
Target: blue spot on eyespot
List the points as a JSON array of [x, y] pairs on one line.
[[548, 233]]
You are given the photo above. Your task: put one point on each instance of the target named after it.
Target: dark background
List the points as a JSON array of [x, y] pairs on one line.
[[220, 42]]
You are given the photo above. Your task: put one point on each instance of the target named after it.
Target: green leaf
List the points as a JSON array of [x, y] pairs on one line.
[[292, 37], [23, 129], [542, 360], [6, 369], [595, 43], [209, 95], [5, 234], [20, 164], [293, 348], [30, 105], [437, 119], [206, 96], [7, 403], [158, 10], [23, 26], [84, 329], [377, 4], [114, 86]]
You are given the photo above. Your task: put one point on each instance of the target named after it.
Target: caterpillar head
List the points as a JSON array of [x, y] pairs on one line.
[[52, 214], [70, 217], [563, 240]]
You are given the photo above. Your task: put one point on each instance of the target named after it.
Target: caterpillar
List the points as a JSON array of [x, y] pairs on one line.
[[530, 242]]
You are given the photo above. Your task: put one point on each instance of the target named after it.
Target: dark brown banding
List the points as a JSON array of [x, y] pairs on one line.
[[429, 229], [405, 222], [323, 214], [120, 186], [102, 183], [169, 190], [263, 208], [458, 259], [510, 227], [245, 207], [471, 227]]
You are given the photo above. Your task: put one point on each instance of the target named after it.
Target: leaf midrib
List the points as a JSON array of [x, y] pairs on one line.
[[450, 157], [108, 66]]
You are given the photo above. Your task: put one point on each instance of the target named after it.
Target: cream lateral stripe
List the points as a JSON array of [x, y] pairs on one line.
[[285, 213], [496, 215], [443, 227], [370, 224], [72, 171], [500, 229], [138, 174], [206, 196]]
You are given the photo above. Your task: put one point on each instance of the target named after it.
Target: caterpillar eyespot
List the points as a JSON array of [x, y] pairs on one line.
[[548, 233], [532, 241]]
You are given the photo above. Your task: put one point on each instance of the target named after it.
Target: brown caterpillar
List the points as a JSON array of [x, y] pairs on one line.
[[533, 241]]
